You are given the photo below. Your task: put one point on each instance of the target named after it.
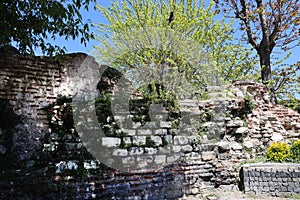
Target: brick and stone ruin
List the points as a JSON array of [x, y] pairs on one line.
[[143, 152]]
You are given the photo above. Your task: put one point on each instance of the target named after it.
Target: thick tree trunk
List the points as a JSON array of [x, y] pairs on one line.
[[266, 72], [265, 63]]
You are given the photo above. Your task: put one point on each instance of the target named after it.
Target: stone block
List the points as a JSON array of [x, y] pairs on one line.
[[164, 150], [160, 159], [187, 148], [139, 140], [223, 146], [235, 123], [143, 161], [242, 130], [181, 140], [290, 189], [129, 132], [173, 158], [283, 189], [144, 132], [166, 124], [157, 140], [150, 150], [136, 150], [159, 131], [111, 142], [176, 148], [208, 155]]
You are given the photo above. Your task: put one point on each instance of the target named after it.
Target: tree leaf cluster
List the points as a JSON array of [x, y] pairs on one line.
[[198, 44], [29, 24]]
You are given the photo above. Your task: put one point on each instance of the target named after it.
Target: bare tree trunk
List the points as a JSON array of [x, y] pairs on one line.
[[265, 63], [266, 72]]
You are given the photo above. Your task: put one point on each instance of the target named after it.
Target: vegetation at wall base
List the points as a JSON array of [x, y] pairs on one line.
[[282, 152]]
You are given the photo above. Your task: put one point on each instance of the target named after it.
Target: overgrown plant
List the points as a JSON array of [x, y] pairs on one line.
[[295, 150], [278, 152], [282, 152], [141, 35]]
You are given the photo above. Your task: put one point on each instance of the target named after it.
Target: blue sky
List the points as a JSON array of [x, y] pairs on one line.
[[96, 17]]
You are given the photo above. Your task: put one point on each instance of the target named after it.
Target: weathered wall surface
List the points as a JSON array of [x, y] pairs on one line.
[[29, 84], [275, 179], [234, 124]]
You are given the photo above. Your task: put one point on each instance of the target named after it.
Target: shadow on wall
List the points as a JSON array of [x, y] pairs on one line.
[[8, 121]]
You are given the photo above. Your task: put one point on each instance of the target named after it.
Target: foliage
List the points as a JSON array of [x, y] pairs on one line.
[[282, 152], [185, 35], [295, 150], [278, 152], [287, 85], [202, 130], [267, 24], [206, 116], [156, 94], [61, 118], [292, 103], [247, 107], [104, 98], [30, 23]]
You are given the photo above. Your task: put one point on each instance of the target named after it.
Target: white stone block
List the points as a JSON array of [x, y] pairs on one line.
[[160, 159], [181, 140], [139, 140], [164, 124], [144, 132], [157, 140], [111, 142]]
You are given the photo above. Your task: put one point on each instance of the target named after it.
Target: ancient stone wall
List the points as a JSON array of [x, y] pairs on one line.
[[30, 84], [275, 179], [231, 125]]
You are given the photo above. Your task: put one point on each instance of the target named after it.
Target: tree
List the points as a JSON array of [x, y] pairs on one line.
[[30, 23], [181, 20], [268, 24]]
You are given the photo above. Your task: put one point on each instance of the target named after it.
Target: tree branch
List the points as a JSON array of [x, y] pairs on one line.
[[277, 21], [263, 23], [243, 16]]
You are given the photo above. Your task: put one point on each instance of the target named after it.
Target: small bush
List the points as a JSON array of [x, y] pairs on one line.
[[295, 150], [278, 152]]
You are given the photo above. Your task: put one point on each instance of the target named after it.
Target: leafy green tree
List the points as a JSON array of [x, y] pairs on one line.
[[267, 25], [193, 40], [29, 23]]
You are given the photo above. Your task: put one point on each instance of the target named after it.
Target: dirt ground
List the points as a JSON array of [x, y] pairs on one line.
[[221, 194]]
